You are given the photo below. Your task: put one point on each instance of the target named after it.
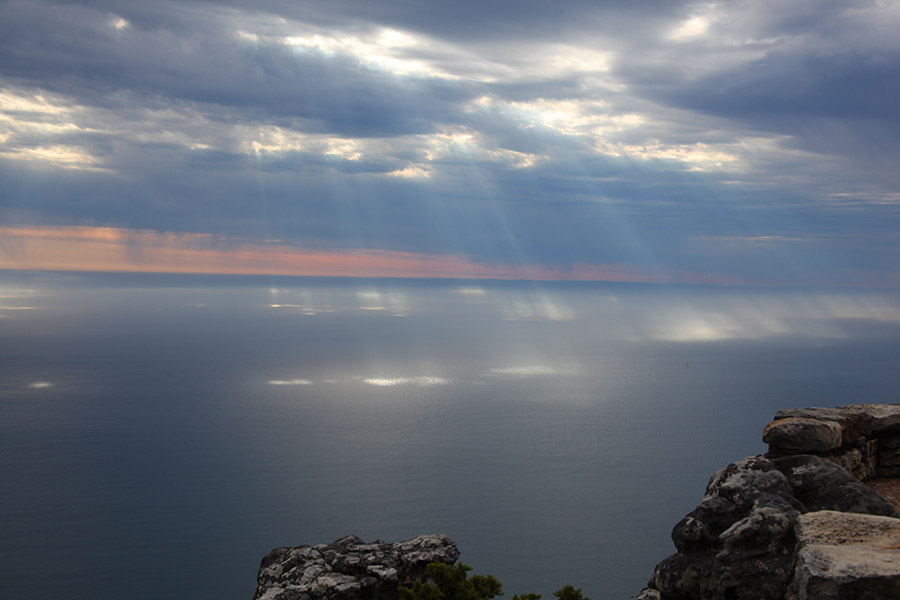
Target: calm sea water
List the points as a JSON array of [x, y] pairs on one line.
[[159, 435]]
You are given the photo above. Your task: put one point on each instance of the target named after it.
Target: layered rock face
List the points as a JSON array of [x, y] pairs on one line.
[[862, 438], [349, 569], [796, 523]]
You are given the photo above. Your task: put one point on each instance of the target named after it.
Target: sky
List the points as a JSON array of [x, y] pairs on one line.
[[751, 143]]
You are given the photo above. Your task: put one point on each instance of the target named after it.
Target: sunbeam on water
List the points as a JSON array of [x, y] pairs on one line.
[[423, 381], [555, 432], [40, 385], [290, 382]]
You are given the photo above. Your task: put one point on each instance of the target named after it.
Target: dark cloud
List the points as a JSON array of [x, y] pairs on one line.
[[76, 52], [824, 73], [733, 138]]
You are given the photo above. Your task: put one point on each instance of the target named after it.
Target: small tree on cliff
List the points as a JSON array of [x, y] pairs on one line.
[[446, 582], [452, 582], [569, 593], [566, 593]]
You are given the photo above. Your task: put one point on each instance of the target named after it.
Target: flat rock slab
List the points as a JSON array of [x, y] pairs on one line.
[[846, 556], [881, 417], [799, 435]]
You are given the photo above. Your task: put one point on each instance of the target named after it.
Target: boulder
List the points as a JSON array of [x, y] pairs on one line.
[[846, 556], [797, 435], [349, 569], [736, 542], [854, 425], [881, 417]]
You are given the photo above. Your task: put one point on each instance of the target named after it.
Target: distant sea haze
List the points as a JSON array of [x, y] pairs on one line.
[[160, 435]]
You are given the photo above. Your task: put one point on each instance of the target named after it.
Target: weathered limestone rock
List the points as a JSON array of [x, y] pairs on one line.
[[869, 460], [741, 541], [850, 459], [861, 461], [738, 542], [853, 424], [844, 556], [735, 543], [648, 594], [881, 417], [796, 435], [349, 569]]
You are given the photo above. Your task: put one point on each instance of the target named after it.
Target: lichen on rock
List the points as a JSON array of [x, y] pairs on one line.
[[349, 568]]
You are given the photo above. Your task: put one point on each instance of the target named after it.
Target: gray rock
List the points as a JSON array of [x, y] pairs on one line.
[[735, 543], [349, 569], [738, 543], [850, 459], [648, 594], [819, 484], [796, 435], [758, 533], [853, 424], [844, 556], [869, 455], [731, 495], [881, 417], [860, 461]]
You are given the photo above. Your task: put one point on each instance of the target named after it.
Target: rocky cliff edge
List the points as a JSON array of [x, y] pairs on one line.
[[796, 523]]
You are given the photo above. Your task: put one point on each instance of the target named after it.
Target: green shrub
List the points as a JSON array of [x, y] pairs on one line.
[[569, 593], [451, 582]]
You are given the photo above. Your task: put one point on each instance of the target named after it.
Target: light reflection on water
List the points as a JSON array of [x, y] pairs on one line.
[[40, 385], [557, 433], [526, 371], [290, 382], [420, 380]]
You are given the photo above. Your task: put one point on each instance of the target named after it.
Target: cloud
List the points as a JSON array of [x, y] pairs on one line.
[[822, 73], [543, 134]]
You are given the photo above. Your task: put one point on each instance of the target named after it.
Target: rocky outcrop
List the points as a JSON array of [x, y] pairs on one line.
[[349, 569], [760, 533], [862, 438]]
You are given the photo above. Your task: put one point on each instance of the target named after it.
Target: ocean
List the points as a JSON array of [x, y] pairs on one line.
[[160, 434]]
